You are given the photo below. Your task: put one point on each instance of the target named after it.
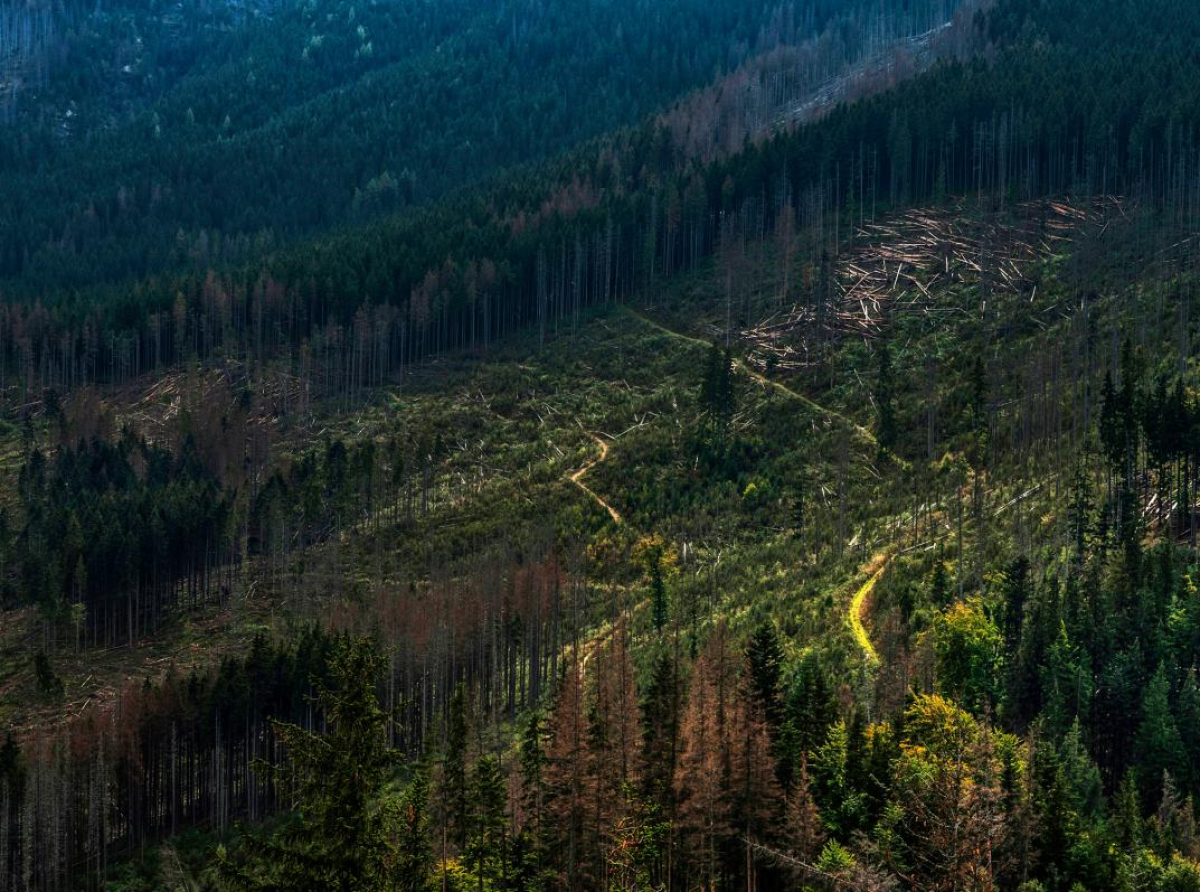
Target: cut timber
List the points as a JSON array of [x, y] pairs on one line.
[[913, 260]]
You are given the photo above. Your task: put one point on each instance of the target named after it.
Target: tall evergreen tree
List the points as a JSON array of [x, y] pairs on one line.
[[414, 848], [454, 792], [340, 840], [1158, 748], [485, 852]]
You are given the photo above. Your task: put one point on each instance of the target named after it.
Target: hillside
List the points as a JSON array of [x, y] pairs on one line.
[[216, 134], [785, 479]]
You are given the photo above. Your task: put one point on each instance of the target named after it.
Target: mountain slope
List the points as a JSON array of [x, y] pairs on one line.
[[819, 512]]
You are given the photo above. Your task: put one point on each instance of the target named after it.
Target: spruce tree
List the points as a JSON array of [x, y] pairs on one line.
[[799, 507], [340, 839], [804, 831], [1016, 594], [1080, 510], [766, 667], [454, 769], [659, 607], [529, 845], [939, 585], [1125, 826], [660, 728], [811, 705], [1158, 747], [710, 383], [485, 852], [414, 851]]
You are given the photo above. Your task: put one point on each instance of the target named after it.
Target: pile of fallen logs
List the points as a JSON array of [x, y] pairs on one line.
[[911, 260]]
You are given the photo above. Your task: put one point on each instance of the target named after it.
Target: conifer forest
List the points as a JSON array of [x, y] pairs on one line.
[[599, 446]]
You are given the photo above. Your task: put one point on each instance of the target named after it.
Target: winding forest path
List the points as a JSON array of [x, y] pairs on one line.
[[577, 479], [760, 378], [860, 604]]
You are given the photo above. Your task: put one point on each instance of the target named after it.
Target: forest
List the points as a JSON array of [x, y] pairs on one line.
[[592, 446]]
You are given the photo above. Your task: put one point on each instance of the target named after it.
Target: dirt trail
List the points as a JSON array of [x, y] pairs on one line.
[[762, 379], [577, 479], [860, 604]]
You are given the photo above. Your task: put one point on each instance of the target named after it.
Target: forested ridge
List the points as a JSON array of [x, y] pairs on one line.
[[318, 114], [617, 503]]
